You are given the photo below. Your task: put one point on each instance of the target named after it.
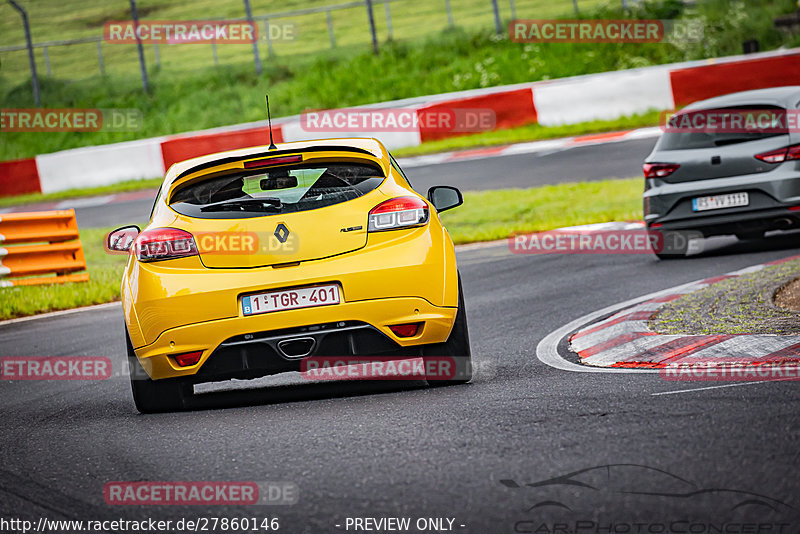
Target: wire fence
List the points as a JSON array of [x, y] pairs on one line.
[[73, 48]]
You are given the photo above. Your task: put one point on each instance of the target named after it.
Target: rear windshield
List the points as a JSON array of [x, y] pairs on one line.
[[277, 190], [712, 128]]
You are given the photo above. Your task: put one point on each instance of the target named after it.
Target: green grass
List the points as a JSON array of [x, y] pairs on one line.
[[121, 187], [500, 137], [496, 214], [411, 19], [425, 63], [103, 286], [484, 216]]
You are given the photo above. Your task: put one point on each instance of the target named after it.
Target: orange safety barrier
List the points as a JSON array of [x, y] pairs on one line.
[[28, 256]]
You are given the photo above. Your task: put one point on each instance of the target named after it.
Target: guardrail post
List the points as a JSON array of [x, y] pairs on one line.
[[270, 51], [46, 55], [388, 19], [157, 53], [330, 28], [498, 26], [31, 59], [100, 58], [372, 31], [139, 47], [256, 57], [214, 52]]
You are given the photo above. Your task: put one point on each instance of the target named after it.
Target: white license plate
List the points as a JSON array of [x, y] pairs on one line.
[[290, 299], [716, 202]]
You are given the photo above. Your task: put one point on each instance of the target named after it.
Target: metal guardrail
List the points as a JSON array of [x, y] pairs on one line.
[[28, 257]]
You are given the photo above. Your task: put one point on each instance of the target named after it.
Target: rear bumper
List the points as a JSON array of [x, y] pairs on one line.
[[771, 195], [245, 346]]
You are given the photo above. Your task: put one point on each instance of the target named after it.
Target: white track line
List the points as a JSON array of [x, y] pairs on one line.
[[62, 312], [717, 387]]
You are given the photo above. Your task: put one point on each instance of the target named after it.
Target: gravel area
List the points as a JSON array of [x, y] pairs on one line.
[[764, 302]]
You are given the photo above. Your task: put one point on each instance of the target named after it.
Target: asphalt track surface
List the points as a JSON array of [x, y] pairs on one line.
[[582, 163], [694, 456]]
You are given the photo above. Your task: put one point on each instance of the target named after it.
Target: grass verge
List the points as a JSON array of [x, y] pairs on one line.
[[485, 216], [531, 132], [740, 305], [452, 60], [121, 187]]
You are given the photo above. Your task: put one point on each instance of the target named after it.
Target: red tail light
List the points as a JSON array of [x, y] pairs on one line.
[[268, 162], [401, 212], [189, 358], [405, 330], [659, 170], [782, 154], [164, 244]]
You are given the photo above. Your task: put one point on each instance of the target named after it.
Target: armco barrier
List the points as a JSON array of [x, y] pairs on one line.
[[511, 109], [18, 177], [706, 81], [186, 147], [28, 257], [604, 96]]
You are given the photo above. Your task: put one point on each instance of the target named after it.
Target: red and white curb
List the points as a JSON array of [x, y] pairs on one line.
[[549, 145], [622, 341], [532, 147], [84, 202]]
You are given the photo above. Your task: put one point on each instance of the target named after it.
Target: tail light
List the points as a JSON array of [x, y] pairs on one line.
[[401, 212], [268, 162], [164, 244], [782, 154], [189, 358], [659, 170], [405, 330]]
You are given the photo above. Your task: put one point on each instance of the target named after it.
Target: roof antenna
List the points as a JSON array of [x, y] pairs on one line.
[[269, 121]]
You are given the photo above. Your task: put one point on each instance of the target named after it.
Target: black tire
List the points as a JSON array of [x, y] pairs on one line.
[[672, 248], [155, 396], [456, 347]]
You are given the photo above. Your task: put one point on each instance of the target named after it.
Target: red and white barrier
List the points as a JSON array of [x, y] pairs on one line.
[[602, 96]]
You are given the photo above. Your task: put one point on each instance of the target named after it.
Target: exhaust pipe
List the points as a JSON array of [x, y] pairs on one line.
[[298, 347]]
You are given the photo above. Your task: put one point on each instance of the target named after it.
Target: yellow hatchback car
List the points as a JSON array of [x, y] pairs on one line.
[[256, 260]]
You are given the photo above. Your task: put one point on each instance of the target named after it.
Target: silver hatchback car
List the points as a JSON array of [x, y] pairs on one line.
[[726, 165]]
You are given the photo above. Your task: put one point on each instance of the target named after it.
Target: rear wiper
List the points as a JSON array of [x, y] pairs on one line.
[[270, 204]]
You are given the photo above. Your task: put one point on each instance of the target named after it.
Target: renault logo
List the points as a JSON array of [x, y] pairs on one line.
[[281, 232]]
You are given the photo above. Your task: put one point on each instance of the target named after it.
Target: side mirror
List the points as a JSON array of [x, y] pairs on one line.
[[444, 197], [121, 239]]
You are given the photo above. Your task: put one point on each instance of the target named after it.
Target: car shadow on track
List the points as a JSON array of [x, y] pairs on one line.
[[297, 393], [729, 245]]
